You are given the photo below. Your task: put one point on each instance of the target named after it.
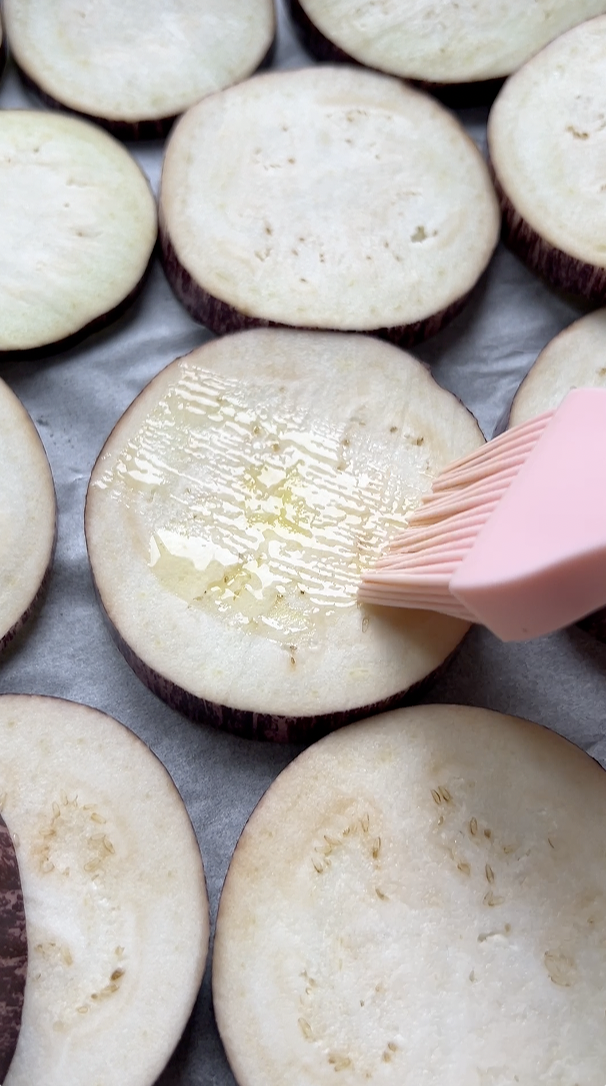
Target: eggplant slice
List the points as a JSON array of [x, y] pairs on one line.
[[420, 898], [546, 134], [13, 950], [469, 42], [135, 66], [576, 358], [78, 222], [27, 517], [114, 892], [328, 198], [232, 509]]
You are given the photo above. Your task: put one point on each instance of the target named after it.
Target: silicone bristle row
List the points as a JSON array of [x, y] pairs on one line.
[[426, 599], [417, 568], [512, 440]]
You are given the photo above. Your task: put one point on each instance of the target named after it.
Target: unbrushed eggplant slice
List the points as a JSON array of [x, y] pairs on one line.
[[114, 893], [78, 222], [134, 67], [232, 509], [576, 358], [454, 95], [546, 138], [13, 950], [325, 198], [418, 898], [471, 43], [27, 517]]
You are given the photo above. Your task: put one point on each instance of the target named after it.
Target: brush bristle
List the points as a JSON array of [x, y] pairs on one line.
[[417, 568]]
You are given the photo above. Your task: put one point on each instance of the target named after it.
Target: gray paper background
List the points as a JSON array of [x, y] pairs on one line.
[[76, 398]]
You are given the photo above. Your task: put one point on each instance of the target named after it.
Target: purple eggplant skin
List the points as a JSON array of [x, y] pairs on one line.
[[481, 92], [13, 950], [222, 318], [559, 269]]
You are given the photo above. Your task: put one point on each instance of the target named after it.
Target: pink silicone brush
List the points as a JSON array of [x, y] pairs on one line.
[[514, 535]]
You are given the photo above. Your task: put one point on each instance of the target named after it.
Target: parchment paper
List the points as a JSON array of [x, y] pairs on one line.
[[76, 398]]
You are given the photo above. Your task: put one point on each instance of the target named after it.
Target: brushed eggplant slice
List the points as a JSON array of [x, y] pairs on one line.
[[576, 358], [419, 898], [78, 222], [232, 509], [547, 139], [13, 950], [27, 517], [133, 67], [468, 42], [329, 197], [114, 894]]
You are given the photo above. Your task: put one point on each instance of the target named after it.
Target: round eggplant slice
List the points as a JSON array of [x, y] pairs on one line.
[[114, 892], [27, 516], [468, 42], [547, 137], [78, 222], [325, 198], [233, 508], [134, 67], [576, 358], [13, 950], [418, 898]]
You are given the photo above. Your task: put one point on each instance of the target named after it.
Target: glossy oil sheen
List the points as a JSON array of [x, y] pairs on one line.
[[250, 509]]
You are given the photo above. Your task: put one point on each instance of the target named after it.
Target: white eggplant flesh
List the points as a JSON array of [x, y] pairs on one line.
[[141, 63], [547, 140], [329, 198], [233, 508], [473, 40], [114, 894], [78, 222], [419, 898], [27, 516]]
